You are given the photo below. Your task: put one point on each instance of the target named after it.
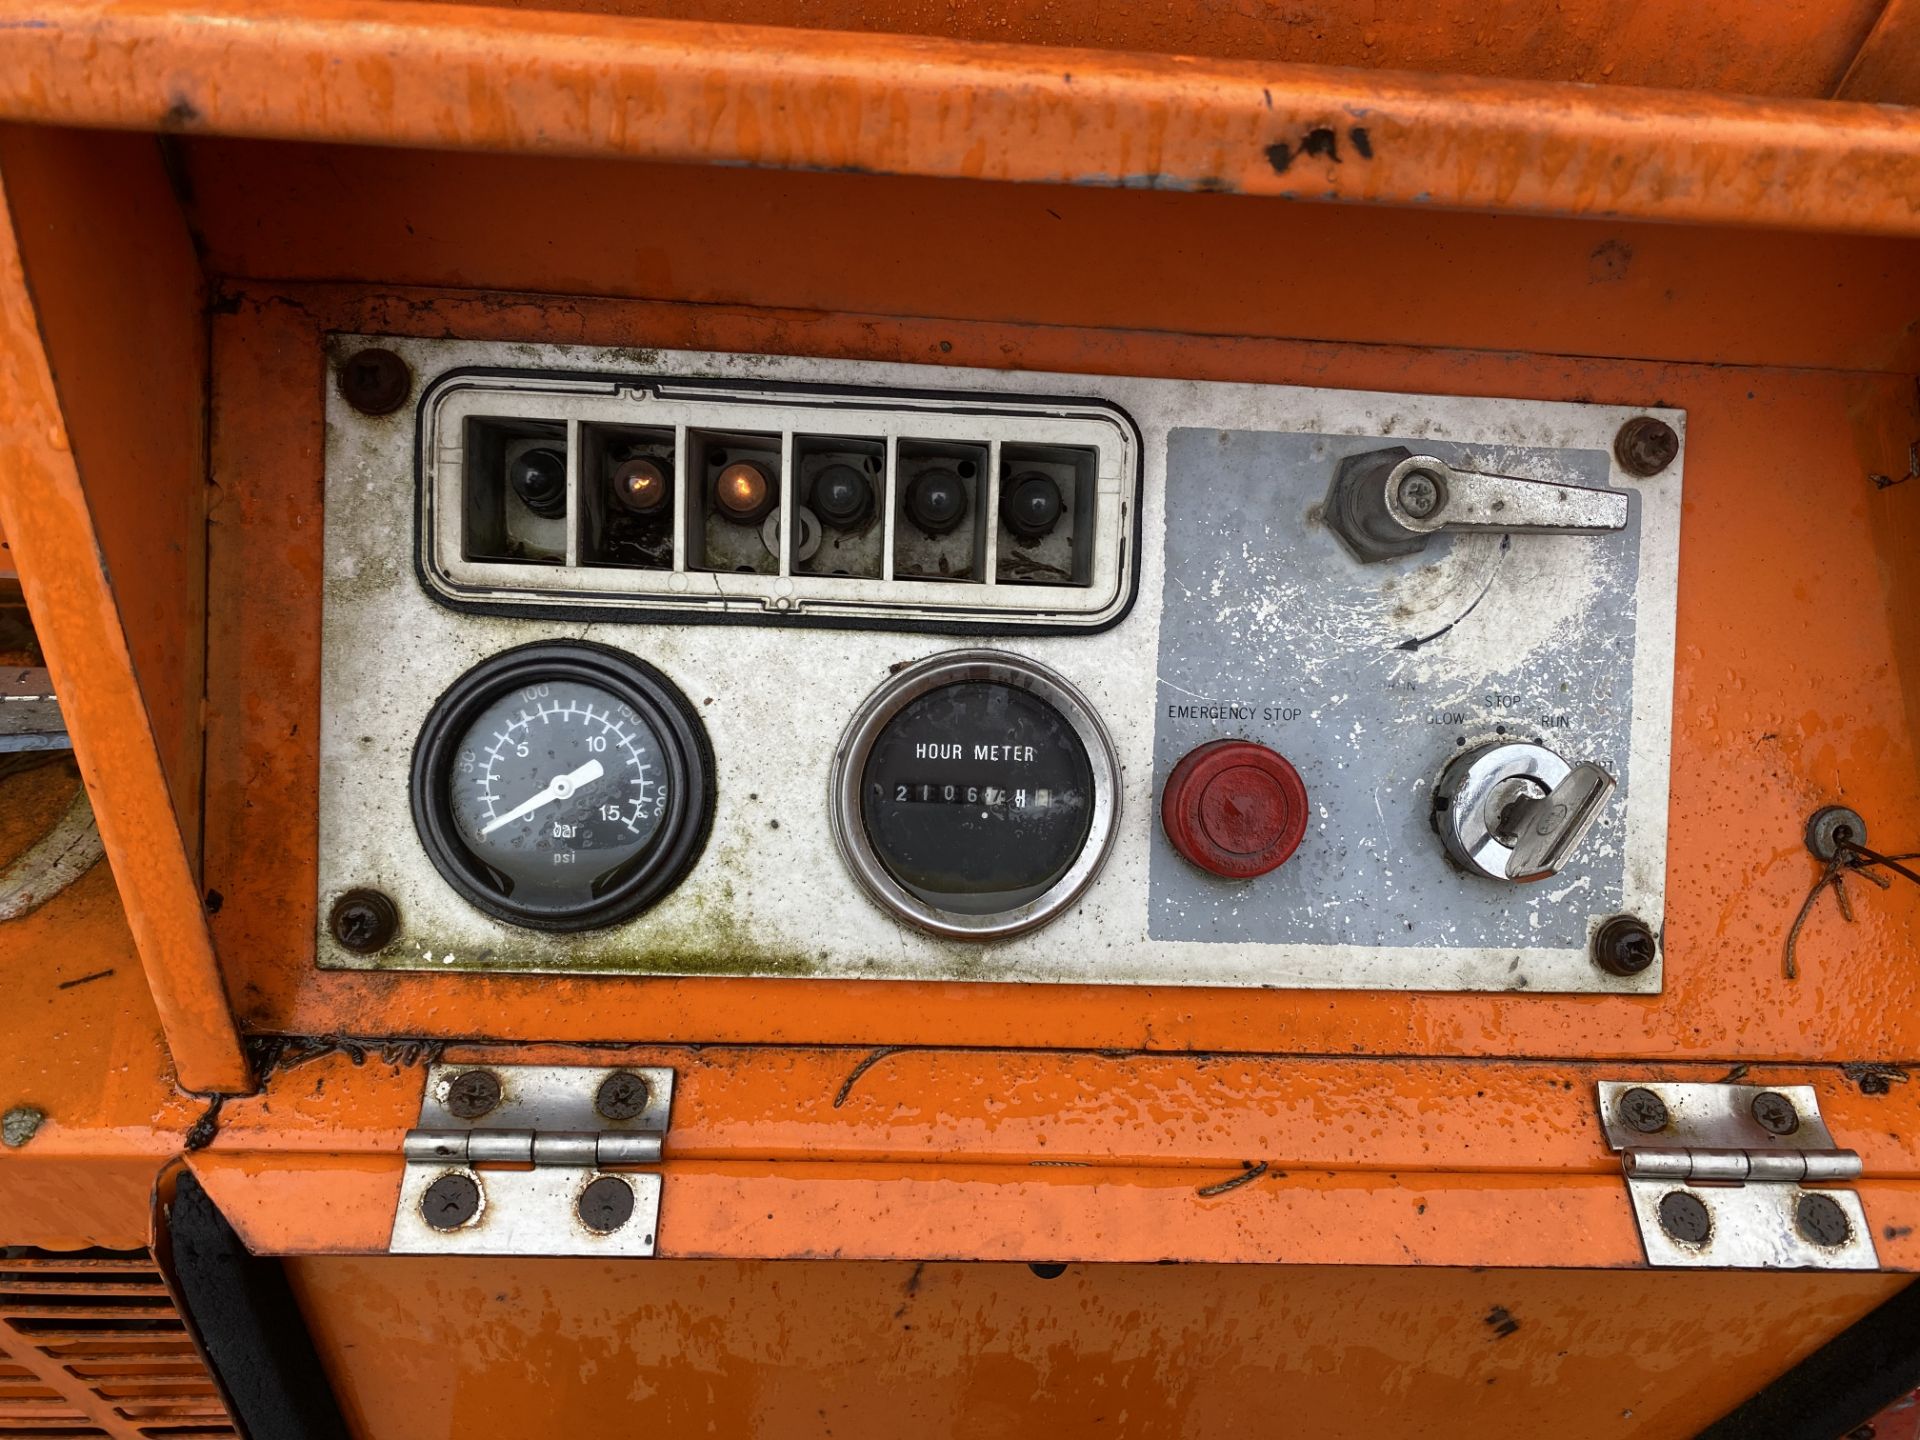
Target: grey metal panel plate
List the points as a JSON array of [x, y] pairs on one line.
[[1369, 677], [769, 895]]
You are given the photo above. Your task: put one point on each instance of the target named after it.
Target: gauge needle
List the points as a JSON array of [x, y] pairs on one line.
[[559, 788]]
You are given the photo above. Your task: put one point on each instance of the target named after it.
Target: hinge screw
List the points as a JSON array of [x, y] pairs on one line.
[[1684, 1217], [472, 1094], [1643, 1110], [375, 381], [606, 1204], [1820, 1220], [451, 1201], [1645, 446], [1774, 1113], [363, 921], [622, 1096]]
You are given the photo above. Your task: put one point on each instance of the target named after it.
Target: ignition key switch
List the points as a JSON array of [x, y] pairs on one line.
[[1517, 811]]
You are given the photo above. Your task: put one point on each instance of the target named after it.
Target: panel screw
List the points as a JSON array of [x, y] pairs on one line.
[[1624, 946], [363, 921], [1820, 1220], [451, 1201], [1831, 824], [1775, 1113], [1419, 494], [622, 1096], [1642, 1110], [1684, 1218], [1645, 446], [472, 1094], [606, 1204], [375, 382]]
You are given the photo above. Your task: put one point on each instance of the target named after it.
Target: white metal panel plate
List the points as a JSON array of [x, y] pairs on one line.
[[770, 897]]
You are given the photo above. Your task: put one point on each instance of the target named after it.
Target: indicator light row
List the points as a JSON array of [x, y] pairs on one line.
[[863, 507]]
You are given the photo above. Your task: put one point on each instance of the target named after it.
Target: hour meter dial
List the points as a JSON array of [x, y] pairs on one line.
[[562, 786], [975, 794]]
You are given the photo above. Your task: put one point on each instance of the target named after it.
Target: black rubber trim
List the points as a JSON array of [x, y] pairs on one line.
[[685, 750], [856, 396], [1840, 1386], [243, 1310]]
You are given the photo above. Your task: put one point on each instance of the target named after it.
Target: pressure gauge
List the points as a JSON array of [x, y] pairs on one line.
[[975, 794], [562, 786]]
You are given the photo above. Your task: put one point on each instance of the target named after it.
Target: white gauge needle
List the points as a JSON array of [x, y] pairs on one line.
[[559, 788]]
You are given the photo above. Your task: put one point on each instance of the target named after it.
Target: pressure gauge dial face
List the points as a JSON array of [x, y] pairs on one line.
[[975, 794], [562, 786]]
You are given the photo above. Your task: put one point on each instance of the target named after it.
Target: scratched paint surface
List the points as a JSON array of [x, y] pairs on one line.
[[425, 1349], [1369, 678]]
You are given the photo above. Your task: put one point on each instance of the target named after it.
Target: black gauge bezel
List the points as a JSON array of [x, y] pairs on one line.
[[685, 752]]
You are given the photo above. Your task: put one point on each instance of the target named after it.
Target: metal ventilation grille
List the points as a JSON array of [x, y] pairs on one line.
[[92, 1345]]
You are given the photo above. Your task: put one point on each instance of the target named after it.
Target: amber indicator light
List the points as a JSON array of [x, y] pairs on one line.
[[643, 486], [742, 492]]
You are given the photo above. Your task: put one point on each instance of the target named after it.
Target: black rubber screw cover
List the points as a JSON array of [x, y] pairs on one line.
[[539, 478], [842, 496], [937, 500], [1032, 506]]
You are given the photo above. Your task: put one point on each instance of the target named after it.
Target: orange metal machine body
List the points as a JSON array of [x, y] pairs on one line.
[[1386, 1211]]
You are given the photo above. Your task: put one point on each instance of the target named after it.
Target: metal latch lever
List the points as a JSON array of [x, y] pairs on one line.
[[1385, 503]]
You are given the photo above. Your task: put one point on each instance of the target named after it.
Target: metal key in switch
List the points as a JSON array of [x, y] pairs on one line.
[[1517, 811], [1385, 503]]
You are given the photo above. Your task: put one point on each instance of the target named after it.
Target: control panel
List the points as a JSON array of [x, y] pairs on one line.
[[688, 664]]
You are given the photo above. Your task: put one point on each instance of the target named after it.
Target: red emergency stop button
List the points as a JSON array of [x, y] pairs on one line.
[[1234, 808]]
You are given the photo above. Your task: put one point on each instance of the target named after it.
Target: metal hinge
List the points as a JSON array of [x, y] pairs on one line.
[[1720, 1176], [532, 1160]]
